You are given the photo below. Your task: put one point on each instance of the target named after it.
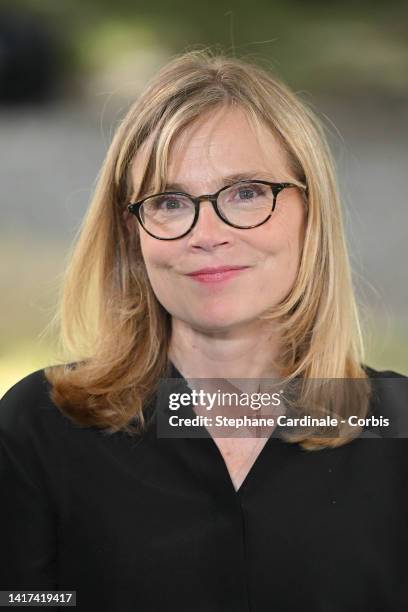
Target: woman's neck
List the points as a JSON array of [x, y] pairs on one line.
[[233, 353]]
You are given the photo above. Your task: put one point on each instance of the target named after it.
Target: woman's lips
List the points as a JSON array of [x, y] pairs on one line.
[[216, 277]]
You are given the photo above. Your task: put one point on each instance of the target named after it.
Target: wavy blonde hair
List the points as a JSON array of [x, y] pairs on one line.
[[111, 323]]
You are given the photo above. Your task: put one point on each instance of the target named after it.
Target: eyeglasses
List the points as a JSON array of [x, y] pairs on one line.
[[173, 214]]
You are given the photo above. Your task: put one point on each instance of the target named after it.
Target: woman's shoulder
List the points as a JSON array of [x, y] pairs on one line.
[[27, 390], [28, 404], [389, 400], [373, 373], [390, 388]]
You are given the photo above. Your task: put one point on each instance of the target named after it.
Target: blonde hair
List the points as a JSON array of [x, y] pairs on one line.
[[111, 322]]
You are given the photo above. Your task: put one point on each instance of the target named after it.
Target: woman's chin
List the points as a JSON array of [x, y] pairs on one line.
[[214, 322]]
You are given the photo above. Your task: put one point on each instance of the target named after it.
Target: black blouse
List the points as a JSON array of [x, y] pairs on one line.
[[149, 524]]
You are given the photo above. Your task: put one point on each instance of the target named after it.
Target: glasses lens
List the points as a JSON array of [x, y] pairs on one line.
[[167, 215], [246, 204]]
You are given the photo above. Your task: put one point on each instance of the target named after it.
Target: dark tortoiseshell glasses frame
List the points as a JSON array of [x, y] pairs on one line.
[[276, 188]]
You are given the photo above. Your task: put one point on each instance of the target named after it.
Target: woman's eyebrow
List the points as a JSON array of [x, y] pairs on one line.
[[225, 180]]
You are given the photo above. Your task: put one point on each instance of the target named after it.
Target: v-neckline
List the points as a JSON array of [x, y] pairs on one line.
[[250, 476]]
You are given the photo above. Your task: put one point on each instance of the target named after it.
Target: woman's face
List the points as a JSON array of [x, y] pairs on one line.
[[220, 144]]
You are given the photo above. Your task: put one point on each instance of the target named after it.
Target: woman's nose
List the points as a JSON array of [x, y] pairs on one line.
[[209, 226]]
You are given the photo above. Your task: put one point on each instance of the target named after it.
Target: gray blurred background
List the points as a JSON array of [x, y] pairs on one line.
[[69, 71]]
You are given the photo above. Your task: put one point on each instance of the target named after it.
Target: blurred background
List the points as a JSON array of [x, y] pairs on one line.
[[69, 71]]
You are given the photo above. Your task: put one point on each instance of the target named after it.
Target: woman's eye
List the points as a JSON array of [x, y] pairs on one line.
[[168, 204], [248, 193]]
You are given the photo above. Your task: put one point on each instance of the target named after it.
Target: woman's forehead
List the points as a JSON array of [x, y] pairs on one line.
[[214, 148], [228, 131]]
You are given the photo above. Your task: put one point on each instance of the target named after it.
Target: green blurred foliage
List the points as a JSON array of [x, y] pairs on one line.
[[338, 47]]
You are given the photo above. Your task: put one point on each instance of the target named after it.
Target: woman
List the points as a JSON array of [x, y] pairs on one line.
[[216, 166]]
